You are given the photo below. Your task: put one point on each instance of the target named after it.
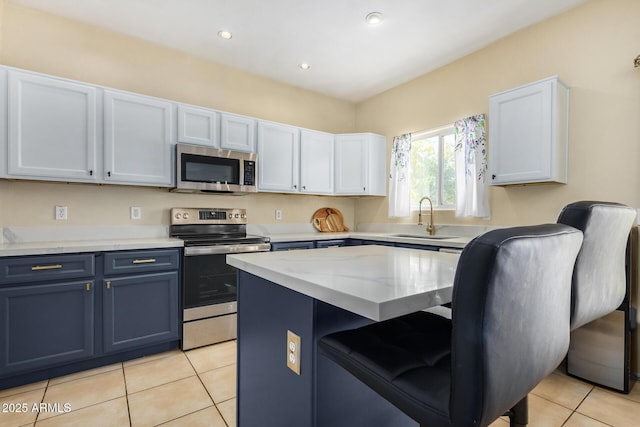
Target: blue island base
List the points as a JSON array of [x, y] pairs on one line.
[[269, 393]]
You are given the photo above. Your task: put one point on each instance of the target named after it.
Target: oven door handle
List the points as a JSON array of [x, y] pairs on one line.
[[226, 249]]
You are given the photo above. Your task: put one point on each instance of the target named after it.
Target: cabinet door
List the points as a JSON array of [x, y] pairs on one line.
[[523, 128], [237, 133], [198, 126], [51, 128], [351, 164], [316, 162], [140, 310], [278, 156], [137, 139], [45, 325]]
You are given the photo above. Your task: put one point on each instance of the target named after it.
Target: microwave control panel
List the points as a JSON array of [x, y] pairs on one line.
[[249, 172]]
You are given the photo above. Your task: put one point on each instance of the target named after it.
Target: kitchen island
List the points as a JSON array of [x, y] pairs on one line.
[[312, 293]]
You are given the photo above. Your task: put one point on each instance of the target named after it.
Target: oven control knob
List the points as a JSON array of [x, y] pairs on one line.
[[177, 216], [185, 216], [243, 216], [237, 215]]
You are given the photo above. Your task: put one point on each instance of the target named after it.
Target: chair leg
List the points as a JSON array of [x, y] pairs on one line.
[[519, 414]]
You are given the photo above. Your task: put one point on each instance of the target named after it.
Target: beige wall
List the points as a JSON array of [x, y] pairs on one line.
[[45, 43], [592, 49]]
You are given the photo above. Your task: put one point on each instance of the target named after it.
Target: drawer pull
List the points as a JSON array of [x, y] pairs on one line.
[[108, 284], [88, 286], [144, 261], [46, 267]]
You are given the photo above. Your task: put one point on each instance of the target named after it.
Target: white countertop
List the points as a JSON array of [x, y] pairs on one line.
[[377, 282], [454, 242], [17, 241], [74, 246]]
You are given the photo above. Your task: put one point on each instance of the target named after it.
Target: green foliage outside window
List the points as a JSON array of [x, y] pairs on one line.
[[433, 169]]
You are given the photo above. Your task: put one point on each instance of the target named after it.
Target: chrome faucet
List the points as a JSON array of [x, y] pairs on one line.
[[430, 228]]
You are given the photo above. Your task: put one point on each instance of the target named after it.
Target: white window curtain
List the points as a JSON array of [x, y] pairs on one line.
[[400, 177], [472, 190]]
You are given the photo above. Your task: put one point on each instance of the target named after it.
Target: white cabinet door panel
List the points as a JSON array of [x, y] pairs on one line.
[[51, 128], [351, 164], [198, 126], [137, 139], [278, 157], [316, 162], [528, 133], [237, 133]]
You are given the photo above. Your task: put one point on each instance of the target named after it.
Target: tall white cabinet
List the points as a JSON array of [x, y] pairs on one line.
[[52, 128], [278, 154], [316, 162], [360, 164], [137, 145], [528, 133]]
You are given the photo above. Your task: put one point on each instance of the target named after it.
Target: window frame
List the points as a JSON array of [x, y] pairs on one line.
[[441, 133]]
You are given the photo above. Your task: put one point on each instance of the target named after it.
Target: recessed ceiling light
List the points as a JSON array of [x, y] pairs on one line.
[[225, 34], [374, 18], [304, 66]]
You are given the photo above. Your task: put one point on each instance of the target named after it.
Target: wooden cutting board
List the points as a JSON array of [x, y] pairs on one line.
[[328, 220]]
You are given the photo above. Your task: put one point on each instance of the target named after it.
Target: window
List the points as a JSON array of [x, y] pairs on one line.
[[433, 169]]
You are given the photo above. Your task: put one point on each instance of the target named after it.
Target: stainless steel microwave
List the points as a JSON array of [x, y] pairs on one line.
[[206, 169]]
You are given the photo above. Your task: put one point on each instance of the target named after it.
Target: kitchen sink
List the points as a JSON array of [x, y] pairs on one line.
[[424, 236]]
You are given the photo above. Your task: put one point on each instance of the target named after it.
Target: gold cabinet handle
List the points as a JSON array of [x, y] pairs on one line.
[[46, 267], [108, 284], [88, 286], [144, 261]]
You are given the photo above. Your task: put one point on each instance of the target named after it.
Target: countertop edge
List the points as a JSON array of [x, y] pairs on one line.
[[79, 246]]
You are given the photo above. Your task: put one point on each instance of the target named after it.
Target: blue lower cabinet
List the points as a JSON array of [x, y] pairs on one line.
[[376, 242], [414, 246], [291, 246], [140, 310], [46, 325], [330, 243]]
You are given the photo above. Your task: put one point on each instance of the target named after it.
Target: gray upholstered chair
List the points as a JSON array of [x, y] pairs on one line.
[[509, 330], [599, 347], [599, 281]]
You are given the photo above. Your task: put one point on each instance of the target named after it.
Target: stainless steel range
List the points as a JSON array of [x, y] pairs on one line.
[[208, 283]]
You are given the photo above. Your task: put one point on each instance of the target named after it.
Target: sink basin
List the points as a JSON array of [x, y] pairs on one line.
[[424, 236]]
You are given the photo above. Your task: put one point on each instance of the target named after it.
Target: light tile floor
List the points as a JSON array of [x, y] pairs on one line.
[[198, 388], [176, 388]]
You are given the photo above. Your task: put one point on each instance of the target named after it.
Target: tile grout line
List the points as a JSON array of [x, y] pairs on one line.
[[42, 401], [206, 389], [126, 393]]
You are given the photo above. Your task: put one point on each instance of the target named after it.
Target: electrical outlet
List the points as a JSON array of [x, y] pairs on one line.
[[293, 352], [61, 213], [136, 212], [278, 214]]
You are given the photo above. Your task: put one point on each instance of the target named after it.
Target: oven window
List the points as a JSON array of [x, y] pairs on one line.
[[208, 279], [197, 168]]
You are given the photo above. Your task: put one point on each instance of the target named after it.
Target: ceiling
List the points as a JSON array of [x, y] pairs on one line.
[[348, 58]]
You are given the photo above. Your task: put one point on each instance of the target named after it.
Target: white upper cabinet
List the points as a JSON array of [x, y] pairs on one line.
[[316, 162], [360, 167], [198, 126], [237, 133], [52, 130], [528, 133], [138, 143], [278, 157]]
